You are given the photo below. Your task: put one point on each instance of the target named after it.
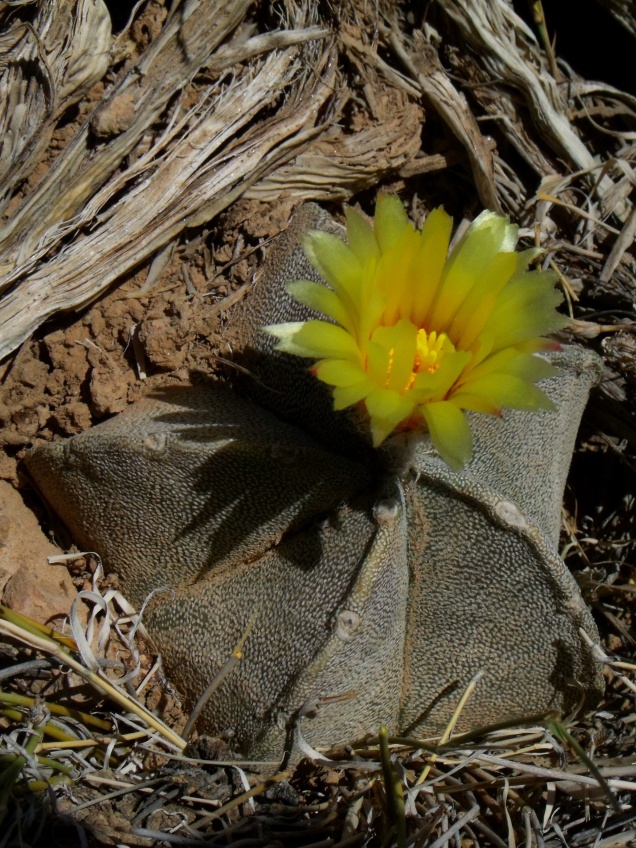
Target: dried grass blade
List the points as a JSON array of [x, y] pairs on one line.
[[393, 790], [52, 648]]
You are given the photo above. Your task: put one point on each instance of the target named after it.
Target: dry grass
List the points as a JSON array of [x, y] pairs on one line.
[[114, 773]]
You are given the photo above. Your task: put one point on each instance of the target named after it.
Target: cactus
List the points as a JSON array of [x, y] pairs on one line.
[[379, 574]]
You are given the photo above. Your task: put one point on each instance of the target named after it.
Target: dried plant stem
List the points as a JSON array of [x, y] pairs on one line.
[[102, 686]]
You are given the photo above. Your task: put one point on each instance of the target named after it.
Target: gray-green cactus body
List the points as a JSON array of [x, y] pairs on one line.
[[391, 580]]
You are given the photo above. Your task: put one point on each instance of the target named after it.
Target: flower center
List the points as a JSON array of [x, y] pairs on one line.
[[429, 348], [428, 352]]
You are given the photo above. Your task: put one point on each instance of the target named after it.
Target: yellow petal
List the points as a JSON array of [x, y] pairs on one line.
[[540, 345], [286, 334], [503, 235], [390, 221], [440, 383], [450, 368], [433, 250], [468, 325], [506, 390], [324, 341], [370, 317], [531, 368], [526, 310], [321, 299], [340, 372], [525, 257], [395, 275], [476, 263], [378, 363], [360, 236], [381, 429], [450, 433], [476, 403], [344, 396], [472, 315], [386, 410], [494, 362], [398, 344], [385, 403], [334, 260]]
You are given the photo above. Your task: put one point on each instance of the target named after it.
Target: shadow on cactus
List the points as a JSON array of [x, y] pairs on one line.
[[392, 548]]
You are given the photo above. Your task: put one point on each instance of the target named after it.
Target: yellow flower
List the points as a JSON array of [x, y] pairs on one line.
[[419, 335]]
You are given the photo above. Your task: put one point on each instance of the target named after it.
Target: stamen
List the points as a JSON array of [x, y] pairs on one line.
[[429, 350], [389, 368], [428, 353]]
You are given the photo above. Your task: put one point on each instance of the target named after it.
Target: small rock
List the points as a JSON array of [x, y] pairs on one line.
[[114, 117], [33, 373], [73, 417], [28, 584], [108, 384]]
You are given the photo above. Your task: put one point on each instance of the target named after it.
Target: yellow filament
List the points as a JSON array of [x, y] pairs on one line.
[[428, 352], [389, 367]]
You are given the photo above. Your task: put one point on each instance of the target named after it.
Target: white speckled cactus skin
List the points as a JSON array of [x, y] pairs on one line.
[[395, 581]]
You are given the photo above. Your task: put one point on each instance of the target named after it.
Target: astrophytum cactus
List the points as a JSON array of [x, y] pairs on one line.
[[389, 550]]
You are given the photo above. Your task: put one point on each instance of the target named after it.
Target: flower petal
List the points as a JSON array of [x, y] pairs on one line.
[[473, 314], [286, 334], [505, 390], [450, 433], [390, 221], [436, 386], [361, 237], [494, 362], [386, 410], [525, 257], [531, 368], [433, 250], [476, 403], [398, 342], [370, 318], [526, 310], [337, 263], [344, 396], [504, 234], [321, 299], [340, 372], [387, 404], [540, 345], [469, 263], [318, 339], [394, 275]]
